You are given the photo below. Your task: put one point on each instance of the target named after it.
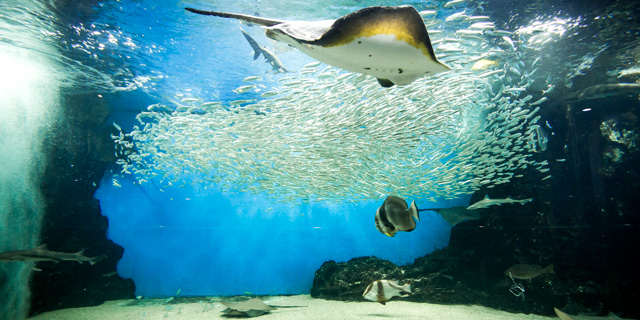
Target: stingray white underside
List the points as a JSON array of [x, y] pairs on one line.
[[381, 56]]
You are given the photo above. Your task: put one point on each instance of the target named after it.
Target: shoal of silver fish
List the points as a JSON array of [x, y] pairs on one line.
[[328, 135]]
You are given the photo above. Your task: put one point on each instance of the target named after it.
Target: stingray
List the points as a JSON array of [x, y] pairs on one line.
[[250, 308], [564, 316], [456, 215], [389, 43]]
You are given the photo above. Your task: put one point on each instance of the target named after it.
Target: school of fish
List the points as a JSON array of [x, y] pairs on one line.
[[329, 135]]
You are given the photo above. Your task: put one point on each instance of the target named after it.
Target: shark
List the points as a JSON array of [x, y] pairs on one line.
[[258, 50], [41, 253], [604, 91], [486, 202], [389, 43]]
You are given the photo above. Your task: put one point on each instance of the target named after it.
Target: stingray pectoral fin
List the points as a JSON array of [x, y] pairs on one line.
[[385, 83], [243, 17], [254, 313]]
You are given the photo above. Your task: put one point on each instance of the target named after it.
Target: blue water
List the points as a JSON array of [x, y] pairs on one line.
[[208, 242], [213, 243]]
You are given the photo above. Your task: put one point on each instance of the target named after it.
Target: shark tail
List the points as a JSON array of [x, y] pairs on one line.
[[413, 210], [257, 50], [523, 201], [97, 259]]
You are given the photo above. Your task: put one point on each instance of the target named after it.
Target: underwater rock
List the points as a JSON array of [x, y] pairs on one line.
[[73, 219], [347, 280]]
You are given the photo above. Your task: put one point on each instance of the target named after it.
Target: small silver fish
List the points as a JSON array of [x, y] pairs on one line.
[[383, 290], [394, 215]]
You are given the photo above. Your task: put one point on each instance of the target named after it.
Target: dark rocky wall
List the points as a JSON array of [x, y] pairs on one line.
[[584, 220], [78, 151]]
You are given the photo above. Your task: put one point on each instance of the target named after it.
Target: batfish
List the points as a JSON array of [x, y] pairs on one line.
[[394, 215], [383, 290], [389, 43]]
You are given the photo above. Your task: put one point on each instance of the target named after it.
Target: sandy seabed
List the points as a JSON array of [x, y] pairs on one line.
[[298, 307]]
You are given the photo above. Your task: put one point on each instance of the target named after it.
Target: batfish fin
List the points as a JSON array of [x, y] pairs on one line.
[[243, 17], [413, 209]]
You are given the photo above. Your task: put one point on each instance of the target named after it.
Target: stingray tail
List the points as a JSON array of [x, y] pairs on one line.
[[243, 17]]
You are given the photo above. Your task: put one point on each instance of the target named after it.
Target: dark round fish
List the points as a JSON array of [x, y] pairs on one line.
[[394, 215]]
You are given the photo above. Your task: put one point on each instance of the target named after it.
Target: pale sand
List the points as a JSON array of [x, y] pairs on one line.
[[311, 309]]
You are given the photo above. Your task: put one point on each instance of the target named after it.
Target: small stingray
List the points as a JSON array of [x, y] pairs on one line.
[[389, 43], [565, 316], [250, 308], [455, 215]]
